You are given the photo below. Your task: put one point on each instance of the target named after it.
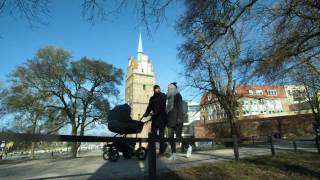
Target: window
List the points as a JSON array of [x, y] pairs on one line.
[[144, 87], [210, 111], [193, 108], [278, 106], [245, 107], [298, 95], [259, 92], [254, 107], [261, 106], [272, 92], [256, 92]]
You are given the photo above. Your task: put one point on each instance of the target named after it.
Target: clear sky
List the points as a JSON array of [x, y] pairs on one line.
[[113, 40]]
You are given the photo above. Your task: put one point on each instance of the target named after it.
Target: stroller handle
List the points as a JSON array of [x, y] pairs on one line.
[[140, 120]]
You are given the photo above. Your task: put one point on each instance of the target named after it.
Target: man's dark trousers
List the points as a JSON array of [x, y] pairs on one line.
[[158, 129]]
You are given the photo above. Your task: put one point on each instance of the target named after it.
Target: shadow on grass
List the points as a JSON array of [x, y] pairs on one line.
[[194, 174], [285, 165]]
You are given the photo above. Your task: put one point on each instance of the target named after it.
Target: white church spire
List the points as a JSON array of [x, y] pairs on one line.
[[140, 50]]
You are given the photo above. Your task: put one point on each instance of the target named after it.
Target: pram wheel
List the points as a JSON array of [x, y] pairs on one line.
[[105, 155], [128, 154], [141, 153], [113, 155]]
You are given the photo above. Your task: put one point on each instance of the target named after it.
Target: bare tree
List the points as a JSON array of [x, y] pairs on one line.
[[28, 110], [77, 90], [293, 36], [308, 77], [213, 62], [33, 11], [151, 13]]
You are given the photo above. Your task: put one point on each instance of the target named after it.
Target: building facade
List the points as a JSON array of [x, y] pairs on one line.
[[254, 101], [140, 79], [297, 98], [192, 120]]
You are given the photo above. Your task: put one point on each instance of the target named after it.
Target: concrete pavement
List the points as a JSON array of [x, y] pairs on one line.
[[91, 165], [94, 167]]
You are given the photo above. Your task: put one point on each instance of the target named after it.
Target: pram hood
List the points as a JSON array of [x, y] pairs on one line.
[[120, 121], [120, 113]]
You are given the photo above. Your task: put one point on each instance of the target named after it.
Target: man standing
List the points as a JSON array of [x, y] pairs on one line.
[[157, 104], [175, 116]]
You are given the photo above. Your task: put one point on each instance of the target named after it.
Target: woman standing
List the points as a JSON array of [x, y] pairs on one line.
[[174, 116]]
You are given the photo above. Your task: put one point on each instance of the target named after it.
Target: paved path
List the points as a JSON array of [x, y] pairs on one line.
[[94, 167]]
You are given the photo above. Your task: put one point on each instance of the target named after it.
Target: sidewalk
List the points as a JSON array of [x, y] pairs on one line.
[[94, 167]]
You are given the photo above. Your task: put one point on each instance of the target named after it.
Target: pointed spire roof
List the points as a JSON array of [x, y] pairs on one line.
[[140, 50]]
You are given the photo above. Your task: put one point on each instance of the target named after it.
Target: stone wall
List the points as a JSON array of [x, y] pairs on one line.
[[283, 126]]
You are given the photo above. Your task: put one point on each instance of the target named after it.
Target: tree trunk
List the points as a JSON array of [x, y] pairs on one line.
[[74, 146], [74, 150], [279, 128], [317, 132], [316, 115], [33, 144], [235, 141], [234, 136], [82, 127], [236, 148]]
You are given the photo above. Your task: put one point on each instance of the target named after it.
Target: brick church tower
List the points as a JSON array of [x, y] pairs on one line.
[[140, 79]]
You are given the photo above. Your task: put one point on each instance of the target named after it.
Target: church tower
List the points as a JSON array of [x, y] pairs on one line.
[[140, 79]]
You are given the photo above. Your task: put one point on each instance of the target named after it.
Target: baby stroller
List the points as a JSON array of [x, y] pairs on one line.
[[120, 122]]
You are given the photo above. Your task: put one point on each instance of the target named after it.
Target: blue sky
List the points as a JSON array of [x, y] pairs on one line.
[[113, 40]]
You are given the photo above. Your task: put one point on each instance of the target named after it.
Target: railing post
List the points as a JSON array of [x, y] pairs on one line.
[[317, 143], [294, 145], [183, 143], [235, 147], [316, 127], [212, 144], [152, 161], [271, 145]]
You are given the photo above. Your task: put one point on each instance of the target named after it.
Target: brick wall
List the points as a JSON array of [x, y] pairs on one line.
[[294, 125]]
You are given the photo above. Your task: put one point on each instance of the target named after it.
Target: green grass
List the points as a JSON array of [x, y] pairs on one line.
[[300, 165]]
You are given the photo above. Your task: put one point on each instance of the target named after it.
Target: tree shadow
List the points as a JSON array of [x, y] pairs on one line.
[[285, 166], [218, 173], [121, 169]]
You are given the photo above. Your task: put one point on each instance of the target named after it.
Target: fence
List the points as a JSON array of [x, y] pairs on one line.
[[151, 140]]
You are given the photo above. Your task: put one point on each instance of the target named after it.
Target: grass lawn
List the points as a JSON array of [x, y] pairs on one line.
[[300, 165]]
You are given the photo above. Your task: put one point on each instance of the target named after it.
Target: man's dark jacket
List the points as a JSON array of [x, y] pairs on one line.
[[157, 104]]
